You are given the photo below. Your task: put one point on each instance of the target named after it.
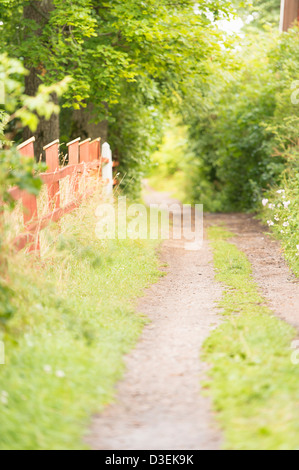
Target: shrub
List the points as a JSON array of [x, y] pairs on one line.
[[244, 128], [281, 212]]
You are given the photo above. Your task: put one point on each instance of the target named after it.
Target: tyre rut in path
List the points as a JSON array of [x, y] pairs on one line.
[[159, 404], [276, 282]]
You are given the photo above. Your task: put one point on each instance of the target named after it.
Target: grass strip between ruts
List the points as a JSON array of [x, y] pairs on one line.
[[252, 381]]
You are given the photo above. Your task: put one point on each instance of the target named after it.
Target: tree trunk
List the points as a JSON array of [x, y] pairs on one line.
[[47, 131], [289, 14], [84, 127]]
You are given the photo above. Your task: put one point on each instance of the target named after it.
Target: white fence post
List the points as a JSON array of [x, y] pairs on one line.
[[107, 171]]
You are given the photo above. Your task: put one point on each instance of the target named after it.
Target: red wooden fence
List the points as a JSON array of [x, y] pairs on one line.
[[83, 158]]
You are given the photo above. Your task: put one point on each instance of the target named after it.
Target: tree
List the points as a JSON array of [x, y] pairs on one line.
[[289, 14], [259, 13], [244, 123], [14, 169], [104, 45], [38, 13]]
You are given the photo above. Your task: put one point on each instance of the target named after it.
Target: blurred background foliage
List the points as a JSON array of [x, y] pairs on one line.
[[129, 61], [172, 162], [260, 14], [20, 109], [133, 66], [244, 125]]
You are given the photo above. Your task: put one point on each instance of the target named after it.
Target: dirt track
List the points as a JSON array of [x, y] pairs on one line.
[[159, 403], [277, 283]]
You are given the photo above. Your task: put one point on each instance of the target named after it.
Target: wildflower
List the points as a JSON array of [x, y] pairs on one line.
[[60, 374], [4, 398], [271, 206], [270, 223], [48, 369], [281, 191], [286, 204], [276, 218], [286, 224], [265, 202]]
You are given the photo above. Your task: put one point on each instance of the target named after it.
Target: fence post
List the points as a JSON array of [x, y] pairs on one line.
[[73, 151], [94, 149], [95, 154], [85, 151], [85, 158], [107, 171], [29, 201], [74, 159], [52, 161]]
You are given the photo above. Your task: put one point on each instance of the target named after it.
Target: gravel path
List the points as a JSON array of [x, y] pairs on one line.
[[277, 283], [159, 403]]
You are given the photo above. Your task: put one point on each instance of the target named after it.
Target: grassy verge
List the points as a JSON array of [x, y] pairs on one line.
[[71, 321], [253, 383]]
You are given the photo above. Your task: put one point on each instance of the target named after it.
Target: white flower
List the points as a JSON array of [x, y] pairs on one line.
[[265, 202], [281, 231], [270, 223], [48, 369], [286, 224], [297, 246], [281, 191], [276, 218], [4, 398], [286, 204], [60, 374], [271, 206]]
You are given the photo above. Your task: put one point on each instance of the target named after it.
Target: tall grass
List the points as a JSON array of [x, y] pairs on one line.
[[70, 318]]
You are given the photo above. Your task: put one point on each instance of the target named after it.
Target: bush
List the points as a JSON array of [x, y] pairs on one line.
[[135, 134], [14, 169], [244, 128], [281, 212]]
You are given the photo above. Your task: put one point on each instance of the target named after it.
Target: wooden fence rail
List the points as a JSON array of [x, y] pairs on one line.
[[84, 158]]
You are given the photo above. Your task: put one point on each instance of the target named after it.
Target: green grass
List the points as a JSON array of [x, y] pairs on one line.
[[73, 321], [253, 383]]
